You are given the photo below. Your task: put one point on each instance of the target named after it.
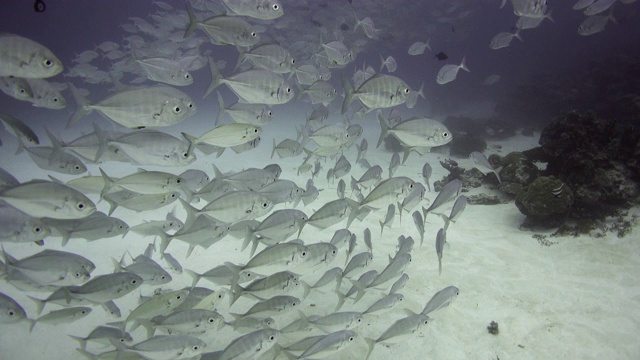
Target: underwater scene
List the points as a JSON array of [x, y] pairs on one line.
[[319, 179]]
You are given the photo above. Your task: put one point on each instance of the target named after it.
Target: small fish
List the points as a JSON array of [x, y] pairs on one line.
[[41, 198], [384, 304], [167, 347], [388, 219], [399, 284], [457, 209], [441, 56], [595, 24], [10, 311], [402, 329], [418, 47], [449, 191], [426, 174], [441, 239], [104, 335], [251, 345], [62, 316], [394, 164], [226, 135], [389, 62], [503, 39], [25, 58], [419, 222], [441, 299], [449, 72], [598, 6], [330, 344], [482, 163], [258, 9]]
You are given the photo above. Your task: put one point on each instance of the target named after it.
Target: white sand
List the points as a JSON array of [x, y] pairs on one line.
[[576, 299]]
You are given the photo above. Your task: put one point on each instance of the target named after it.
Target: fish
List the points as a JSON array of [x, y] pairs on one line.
[[272, 57], [370, 177], [448, 191], [149, 270], [46, 94], [320, 92], [222, 275], [399, 284], [42, 198], [224, 29], [258, 9], [418, 47], [232, 207], [276, 305], [416, 132], [251, 345], [25, 58], [62, 316], [16, 226], [441, 299], [595, 24], [400, 330], [226, 135], [360, 260], [279, 283], [167, 347], [389, 62], [503, 39], [152, 147], [16, 87], [491, 79], [598, 6], [240, 112], [419, 223], [377, 92], [483, 165], [51, 267], [384, 304], [153, 106], [330, 344], [449, 72], [278, 226], [254, 86], [164, 70], [10, 311], [581, 4], [104, 335], [441, 239], [456, 211], [529, 8], [441, 56], [143, 182], [53, 157], [387, 192], [394, 163], [189, 321], [388, 219], [332, 213], [410, 201], [159, 305]]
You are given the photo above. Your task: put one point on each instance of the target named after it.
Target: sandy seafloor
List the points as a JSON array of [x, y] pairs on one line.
[[576, 299]]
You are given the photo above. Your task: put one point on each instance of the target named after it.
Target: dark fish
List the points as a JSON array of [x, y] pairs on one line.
[[441, 56]]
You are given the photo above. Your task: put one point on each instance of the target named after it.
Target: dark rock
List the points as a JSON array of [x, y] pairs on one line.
[[493, 328], [484, 199], [545, 202], [517, 169], [464, 144]]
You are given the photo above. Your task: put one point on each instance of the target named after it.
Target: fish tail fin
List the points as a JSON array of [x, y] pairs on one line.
[[32, 324], [236, 292], [307, 289], [371, 343], [108, 183], [348, 94], [242, 57], [39, 304], [446, 220], [82, 341], [400, 211], [248, 238], [361, 290], [421, 91], [102, 141], [273, 150], [194, 276], [66, 236], [216, 78], [82, 106], [217, 174], [193, 21], [341, 299], [384, 129], [56, 153], [439, 266], [221, 109], [21, 146], [463, 65], [191, 216], [383, 62]]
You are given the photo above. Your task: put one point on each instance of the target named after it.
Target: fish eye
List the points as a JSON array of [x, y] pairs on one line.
[[406, 91], [288, 90], [11, 313], [269, 113], [178, 297], [47, 63], [275, 7], [177, 109], [190, 105], [293, 61], [77, 167], [187, 76], [219, 296], [351, 338], [253, 34], [271, 338], [293, 303], [265, 205], [255, 130], [164, 277], [426, 322], [84, 312], [333, 252], [303, 254], [55, 99], [178, 181], [211, 320], [134, 281], [80, 206], [122, 340], [196, 347], [185, 155], [22, 91], [37, 229], [78, 275]]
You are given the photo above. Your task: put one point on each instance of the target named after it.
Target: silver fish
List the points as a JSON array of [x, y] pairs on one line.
[[224, 29], [51, 267], [385, 304], [250, 345], [388, 219], [46, 94], [272, 57], [103, 288], [41, 198], [152, 147], [190, 321], [426, 174], [104, 335], [287, 148], [164, 70], [419, 222], [62, 316], [143, 182], [53, 158], [276, 305], [240, 112], [595, 24], [387, 192], [449, 72], [441, 239], [598, 6], [419, 47], [16, 87], [139, 107], [416, 132], [457, 209], [16, 226], [503, 39], [93, 227], [330, 344], [441, 299], [254, 86], [227, 135], [402, 329], [10, 311], [399, 284], [19, 129], [25, 58], [448, 192], [168, 347], [379, 91]]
